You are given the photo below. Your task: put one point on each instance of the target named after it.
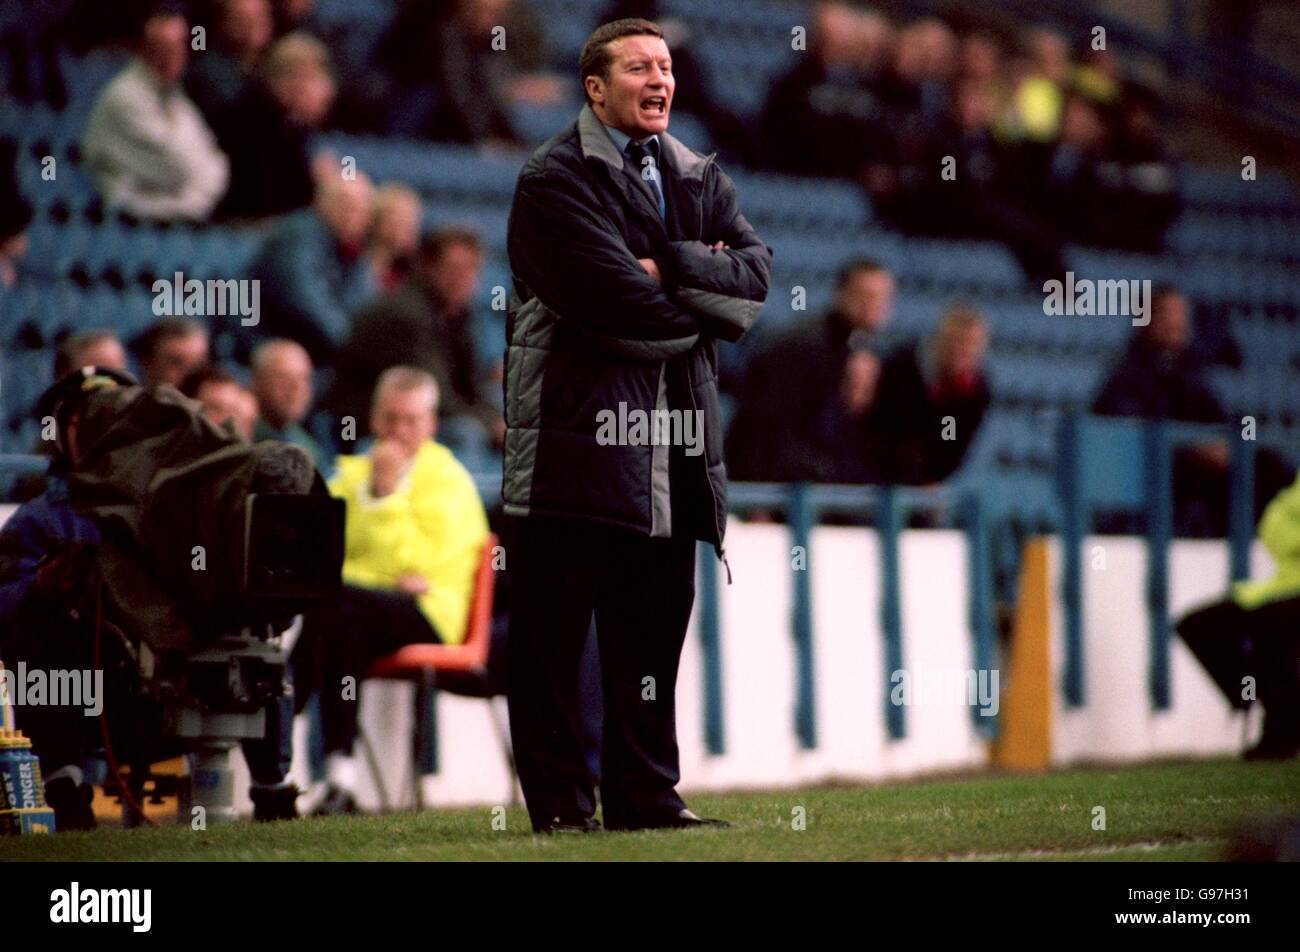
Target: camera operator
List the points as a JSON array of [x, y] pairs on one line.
[[49, 577]]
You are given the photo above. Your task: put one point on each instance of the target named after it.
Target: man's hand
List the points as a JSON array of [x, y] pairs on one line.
[[386, 462], [651, 268], [413, 585]]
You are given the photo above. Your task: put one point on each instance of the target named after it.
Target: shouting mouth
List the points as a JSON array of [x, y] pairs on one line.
[[655, 106]]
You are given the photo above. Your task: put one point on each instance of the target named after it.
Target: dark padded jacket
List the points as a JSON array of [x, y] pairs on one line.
[[589, 331]]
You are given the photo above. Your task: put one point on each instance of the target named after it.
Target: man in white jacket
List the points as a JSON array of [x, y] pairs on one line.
[[147, 146]]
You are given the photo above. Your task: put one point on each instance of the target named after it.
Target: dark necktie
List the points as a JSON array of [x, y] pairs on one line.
[[645, 156]]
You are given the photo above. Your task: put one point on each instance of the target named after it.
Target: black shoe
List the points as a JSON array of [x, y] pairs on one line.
[[274, 803], [337, 802], [683, 819], [71, 804], [584, 825]]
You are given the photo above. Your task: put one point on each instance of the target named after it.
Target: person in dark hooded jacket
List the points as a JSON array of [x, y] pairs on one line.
[[630, 260]]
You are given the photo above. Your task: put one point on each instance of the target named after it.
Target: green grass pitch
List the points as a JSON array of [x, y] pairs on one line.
[[1167, 811]]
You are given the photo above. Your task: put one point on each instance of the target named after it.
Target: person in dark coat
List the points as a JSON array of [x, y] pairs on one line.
[[932, 397], [630, 261], [807, 394], [425, 323], [268, 130]]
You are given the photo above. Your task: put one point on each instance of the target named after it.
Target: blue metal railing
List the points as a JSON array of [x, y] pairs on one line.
[[1138, 449]]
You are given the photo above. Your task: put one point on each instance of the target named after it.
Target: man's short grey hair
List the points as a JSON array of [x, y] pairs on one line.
[[265, 350], [405, 379]]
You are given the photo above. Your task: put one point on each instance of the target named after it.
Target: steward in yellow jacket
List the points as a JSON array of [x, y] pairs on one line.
[[1250, 642], [431, 526]]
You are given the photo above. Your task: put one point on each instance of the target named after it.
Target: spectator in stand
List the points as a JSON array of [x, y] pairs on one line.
[[171, 350], [15, 215], [925, 61], [414, 532], [1038, 103], [282, 385], [982, 198], [267, 133], [218, 76], [224, 399], [932, 397], [826, 115], [805, 402], [1069, 179], [426, 323], [1162, 377], [456, 85], [394, 234], [93, 348], [314, 269], [1148, 200], [146, 144]]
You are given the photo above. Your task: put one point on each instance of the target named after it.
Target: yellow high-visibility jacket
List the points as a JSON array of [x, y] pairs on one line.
[[431, 525], [1279, 530]]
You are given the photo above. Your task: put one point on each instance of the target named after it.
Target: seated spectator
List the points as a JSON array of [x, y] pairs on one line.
[[425, 323], [224, 399], [1255, 634], [983, 199], [267, 132], [219, 75], [1148, 200], [15, 216], [1162, 377], [925, 60], [1068, 179], [314, 270], [282, 384], [931, 399], [146, 144], [93, 348], [415, 528], [456, 86], [826, 115], [171, 349], [805, 401], [394, 234], [1039, 96]]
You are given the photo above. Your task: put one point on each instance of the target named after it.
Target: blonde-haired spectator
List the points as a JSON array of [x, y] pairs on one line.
[[267, 133], [394, 233]]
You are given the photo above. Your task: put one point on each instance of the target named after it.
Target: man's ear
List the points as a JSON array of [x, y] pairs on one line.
[[595, 87]]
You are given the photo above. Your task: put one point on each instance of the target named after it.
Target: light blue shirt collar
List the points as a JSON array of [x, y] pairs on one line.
[[621, 139]]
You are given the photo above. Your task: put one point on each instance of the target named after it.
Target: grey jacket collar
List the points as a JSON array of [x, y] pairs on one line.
[[596, 143]]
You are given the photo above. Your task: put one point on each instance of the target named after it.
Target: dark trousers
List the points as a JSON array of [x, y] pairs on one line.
[[1232, 643], [640, 591], [341, 639]]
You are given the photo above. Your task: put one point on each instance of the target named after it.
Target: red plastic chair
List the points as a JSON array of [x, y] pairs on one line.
[[459, 669]]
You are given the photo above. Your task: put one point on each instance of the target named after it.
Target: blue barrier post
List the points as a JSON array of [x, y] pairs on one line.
[[1160, 520], [1241, 507], [1074, 524], [891, 611], [984, 648], [711, 650], [800, 516]]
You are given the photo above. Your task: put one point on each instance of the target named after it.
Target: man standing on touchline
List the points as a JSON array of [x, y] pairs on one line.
[[630, 261]]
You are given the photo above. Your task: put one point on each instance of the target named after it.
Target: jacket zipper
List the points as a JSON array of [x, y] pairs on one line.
[[713, 497]]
